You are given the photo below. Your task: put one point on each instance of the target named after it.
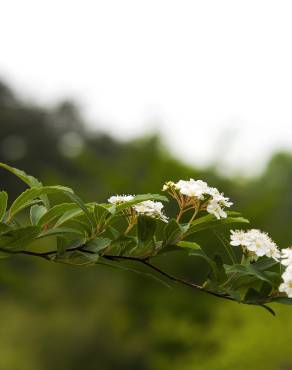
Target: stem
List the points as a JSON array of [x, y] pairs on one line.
[[181, 209], [144, 261], [169, 276], [194, 215], [179, 215], [130, 226]]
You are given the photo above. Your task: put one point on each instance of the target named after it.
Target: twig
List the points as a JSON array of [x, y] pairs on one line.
[[145, 261]]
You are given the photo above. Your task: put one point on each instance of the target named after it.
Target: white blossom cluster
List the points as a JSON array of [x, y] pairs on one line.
[[150, 208], [147, 208], [200, 190], [119, 199], [286, 286], [256, 243], [259, 244]]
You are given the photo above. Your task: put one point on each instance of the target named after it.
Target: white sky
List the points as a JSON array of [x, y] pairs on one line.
[[214, 77]]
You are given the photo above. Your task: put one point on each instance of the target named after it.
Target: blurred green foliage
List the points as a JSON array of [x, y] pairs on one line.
[[62, 317]]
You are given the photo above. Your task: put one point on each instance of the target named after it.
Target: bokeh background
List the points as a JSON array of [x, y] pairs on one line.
[[214, 83]]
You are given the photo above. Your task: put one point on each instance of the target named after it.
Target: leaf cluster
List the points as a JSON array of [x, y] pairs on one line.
[[86, 234]]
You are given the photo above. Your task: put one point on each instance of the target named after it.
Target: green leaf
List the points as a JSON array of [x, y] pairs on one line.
[[82, 205], [226, 244], [141, 198], [282, 300], [36, 212], [126, 244], [27, 179], [173, 232], [29, 195], [4, 228], [103, 213], [62, 244], [113, 232], [220, 269], [265, 263], [190, 245], [104, 209], [3, 204], [146, 228], [200, 253], [77, 258], [57, 211], [81, 225], [18, 239], [67, 216], [247, 270], [253, 296], [61, 231], [98, 244], [210, 221]]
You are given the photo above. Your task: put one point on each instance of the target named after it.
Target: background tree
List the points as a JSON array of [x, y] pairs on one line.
[[63, 318]]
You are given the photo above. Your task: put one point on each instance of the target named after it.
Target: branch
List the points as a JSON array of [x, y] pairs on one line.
[[145, 261]]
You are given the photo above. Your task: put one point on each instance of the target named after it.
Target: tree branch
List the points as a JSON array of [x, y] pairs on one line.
[[145, 261]]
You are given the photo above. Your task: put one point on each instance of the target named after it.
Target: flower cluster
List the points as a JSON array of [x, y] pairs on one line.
[[119, 199], [150, 208], [192, 188], [147, 208], [199, 195], [286, 286], [255, 243]]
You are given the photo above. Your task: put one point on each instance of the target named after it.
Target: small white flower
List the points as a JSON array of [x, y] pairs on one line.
[[118, 199], [213, 201], [286, 287], [273, 252], [238, 237], [256, 242], [286, 257], [193, 188], [223, 201], [151, 208], [215, 209], [287, 274]]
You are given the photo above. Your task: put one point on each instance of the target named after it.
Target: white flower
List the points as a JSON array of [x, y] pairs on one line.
[[286, 257], [214, 202], [287, 274], [256, 242], [150, 208], [273, 252], [215, 209], [286, 287], [193, 188], [219, 197], [238, 237], [118, 199]]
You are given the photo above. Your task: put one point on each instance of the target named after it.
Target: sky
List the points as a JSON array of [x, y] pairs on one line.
[[214, 78]]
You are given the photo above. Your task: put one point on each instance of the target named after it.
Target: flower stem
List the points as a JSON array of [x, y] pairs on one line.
[[194, 214]]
